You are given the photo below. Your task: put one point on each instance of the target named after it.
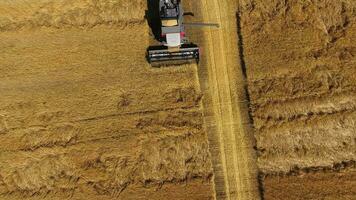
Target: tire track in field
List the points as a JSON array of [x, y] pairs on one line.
[[226, 116]]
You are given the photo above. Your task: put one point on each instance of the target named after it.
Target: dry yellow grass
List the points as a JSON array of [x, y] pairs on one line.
[[84, 116], [300, 58]]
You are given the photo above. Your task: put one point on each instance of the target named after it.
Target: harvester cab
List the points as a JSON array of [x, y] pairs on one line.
[[175, 47]]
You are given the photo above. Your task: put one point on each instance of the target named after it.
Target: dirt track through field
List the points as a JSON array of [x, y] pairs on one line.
[[226, 111]]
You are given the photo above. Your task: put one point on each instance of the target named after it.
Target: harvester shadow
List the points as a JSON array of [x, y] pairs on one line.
[[153, 18]]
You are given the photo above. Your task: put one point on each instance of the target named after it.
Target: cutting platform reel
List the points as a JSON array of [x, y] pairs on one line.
[[163, 55]]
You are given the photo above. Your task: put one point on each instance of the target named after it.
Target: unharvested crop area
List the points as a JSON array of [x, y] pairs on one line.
[[301, 72], [83, 115]]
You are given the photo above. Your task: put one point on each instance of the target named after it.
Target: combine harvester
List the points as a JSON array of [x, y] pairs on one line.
[[175, 48]]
